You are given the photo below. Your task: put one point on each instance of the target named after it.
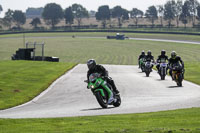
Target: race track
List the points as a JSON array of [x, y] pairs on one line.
[[68, 96]]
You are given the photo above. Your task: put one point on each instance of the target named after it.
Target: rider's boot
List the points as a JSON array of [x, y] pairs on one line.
[[115, 89], [113, 86]]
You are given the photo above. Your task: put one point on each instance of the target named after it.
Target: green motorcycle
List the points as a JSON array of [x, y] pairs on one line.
[[103, 91]]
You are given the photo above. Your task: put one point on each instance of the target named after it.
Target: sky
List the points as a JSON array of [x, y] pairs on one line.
[[88, 4]]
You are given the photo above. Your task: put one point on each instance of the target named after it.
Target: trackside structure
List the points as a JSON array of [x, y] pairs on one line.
[[33, 51]]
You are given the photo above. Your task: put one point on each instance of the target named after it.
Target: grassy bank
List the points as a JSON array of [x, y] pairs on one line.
[[105, 51], [178, 121], [21, 81], [192, 72]]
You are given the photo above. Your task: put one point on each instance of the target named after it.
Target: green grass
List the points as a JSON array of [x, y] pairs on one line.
[[178, 121], [79, 50], [21, 81], [192, 72]]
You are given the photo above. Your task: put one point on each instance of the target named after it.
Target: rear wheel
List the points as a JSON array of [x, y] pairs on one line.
[[102, 100]]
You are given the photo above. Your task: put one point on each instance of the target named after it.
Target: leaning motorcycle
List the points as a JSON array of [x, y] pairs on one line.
[[102, 91], [148, 68], [142, 64], [163, 70], [177, 74]]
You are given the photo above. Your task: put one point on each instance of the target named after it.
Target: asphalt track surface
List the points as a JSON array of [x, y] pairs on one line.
[[68, 95]]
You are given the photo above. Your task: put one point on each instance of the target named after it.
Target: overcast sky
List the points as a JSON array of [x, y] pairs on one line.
[[89, 4]]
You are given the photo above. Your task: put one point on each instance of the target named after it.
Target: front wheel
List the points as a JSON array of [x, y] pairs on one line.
[[118, 102], [180, 79], [147, 73], [101, 100], [162, 74], [142, 68], [162, 77]]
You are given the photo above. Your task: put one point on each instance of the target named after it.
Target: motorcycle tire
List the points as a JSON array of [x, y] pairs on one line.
[[101, 100], [180, 78], [147, 74], [162, 75], [118, 102], [142, 68]]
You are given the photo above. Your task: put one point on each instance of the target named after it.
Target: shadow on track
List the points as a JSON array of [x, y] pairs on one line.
[[96, 109], [174, 86], [140, 72]]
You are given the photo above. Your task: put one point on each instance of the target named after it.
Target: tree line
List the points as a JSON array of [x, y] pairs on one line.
[[186, 11]]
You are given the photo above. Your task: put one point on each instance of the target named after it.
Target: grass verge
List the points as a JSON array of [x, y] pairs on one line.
[[21, 81], [177, 121], [192, 72]]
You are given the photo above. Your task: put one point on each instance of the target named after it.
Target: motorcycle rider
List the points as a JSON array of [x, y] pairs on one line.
[[94, 68], [174, 60], [161, 59], [149, 58], [140, 57]]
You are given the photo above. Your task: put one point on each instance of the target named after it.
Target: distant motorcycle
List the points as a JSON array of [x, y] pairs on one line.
[[101, 89], [177, 74], [163, 70], [148, 68]]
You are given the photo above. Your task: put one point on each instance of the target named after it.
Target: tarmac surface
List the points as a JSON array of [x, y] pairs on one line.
[[68, 96]]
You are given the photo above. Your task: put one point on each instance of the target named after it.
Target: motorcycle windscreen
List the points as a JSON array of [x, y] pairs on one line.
[[93, 77]]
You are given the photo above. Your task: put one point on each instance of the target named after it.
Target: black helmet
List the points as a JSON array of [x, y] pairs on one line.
[[149, 52], [173, 54], [91, 63], [163, 52], [143, 53]]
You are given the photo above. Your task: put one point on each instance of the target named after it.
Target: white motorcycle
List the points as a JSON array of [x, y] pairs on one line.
[[163, 70]]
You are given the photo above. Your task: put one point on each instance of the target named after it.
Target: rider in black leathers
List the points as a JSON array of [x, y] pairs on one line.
[[140, 57], [94, 68], [174, 60], [149, 57], [161, 58]]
